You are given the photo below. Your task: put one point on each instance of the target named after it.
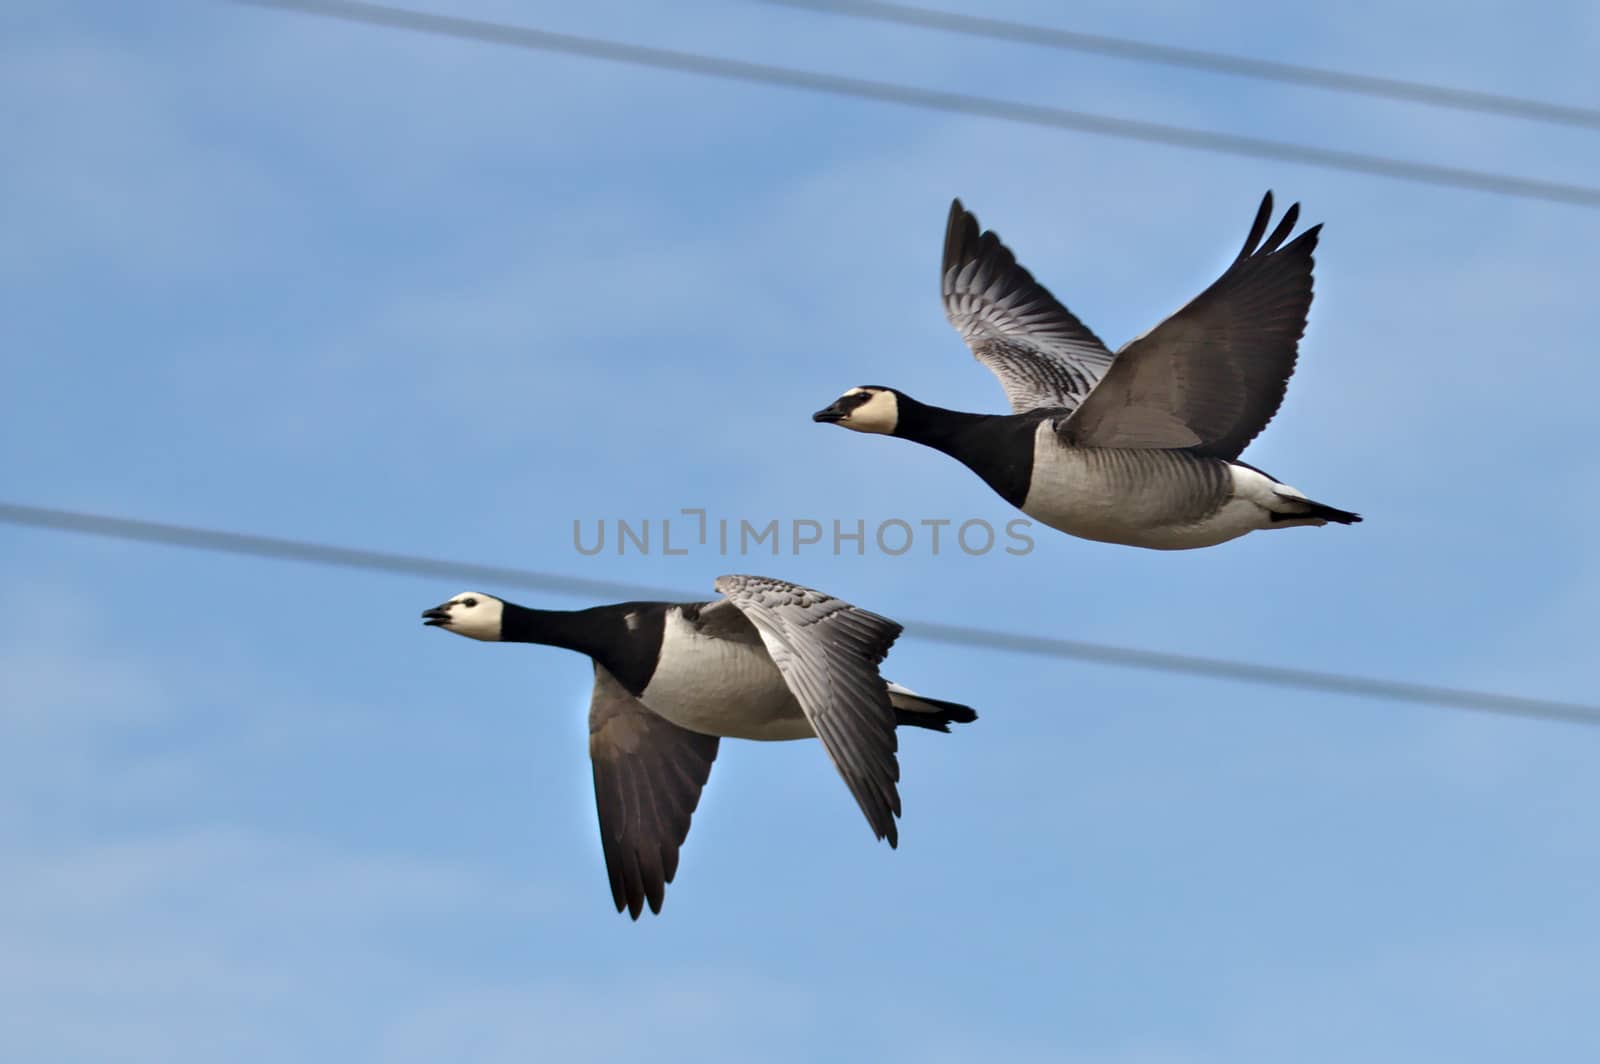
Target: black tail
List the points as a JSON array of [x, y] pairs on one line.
[[931, 713], [1317, 509]]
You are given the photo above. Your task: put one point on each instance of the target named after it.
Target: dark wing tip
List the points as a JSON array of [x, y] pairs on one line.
[[655, 887], [1257, 227], [624, 900], [635, 887], [622, 868], [960, 233], [1281, 233], [1255, 245], [622, 897]]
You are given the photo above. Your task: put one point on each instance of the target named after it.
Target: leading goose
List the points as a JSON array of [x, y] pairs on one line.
[[1140, 447], [769, 660]]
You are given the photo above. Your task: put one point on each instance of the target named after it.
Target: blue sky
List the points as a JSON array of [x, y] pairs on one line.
[[272, 273]]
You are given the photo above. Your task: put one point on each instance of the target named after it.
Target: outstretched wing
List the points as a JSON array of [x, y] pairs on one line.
[[648, 773], [828, 652], [1043, 355], [1211, 376]]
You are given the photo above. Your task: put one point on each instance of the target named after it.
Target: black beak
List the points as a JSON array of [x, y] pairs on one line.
[[437, 616], [829, 415]]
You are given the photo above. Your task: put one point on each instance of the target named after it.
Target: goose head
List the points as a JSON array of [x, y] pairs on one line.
[[865, 409], [471, 613]]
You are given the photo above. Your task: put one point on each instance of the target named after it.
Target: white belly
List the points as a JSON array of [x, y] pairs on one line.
[[1141, 499], [721, 687]]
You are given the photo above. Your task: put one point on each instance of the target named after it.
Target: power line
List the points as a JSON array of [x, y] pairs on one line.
[[936, 100], [185, 537], [290, 550], [1212, 62]]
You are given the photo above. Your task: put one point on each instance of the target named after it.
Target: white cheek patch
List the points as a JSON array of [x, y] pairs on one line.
[[477, 622], [881, 413]]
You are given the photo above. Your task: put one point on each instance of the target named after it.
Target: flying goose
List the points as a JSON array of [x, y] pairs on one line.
[[1140, 447], [769, 660]]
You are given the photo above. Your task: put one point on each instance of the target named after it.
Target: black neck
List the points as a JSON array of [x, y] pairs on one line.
[[997, 447], [625, 638], [585, 631], [934, 426]]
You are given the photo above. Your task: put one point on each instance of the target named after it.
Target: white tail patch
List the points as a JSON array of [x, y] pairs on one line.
[[904, 698]]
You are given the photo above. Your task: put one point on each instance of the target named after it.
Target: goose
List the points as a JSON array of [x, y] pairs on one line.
[[769, 660], [1141, 447]]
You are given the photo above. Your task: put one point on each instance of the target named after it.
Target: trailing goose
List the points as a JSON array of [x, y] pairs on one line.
[[1140, 447], [768, 660]]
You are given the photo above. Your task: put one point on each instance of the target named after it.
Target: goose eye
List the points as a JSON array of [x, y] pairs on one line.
[[469, 602]]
